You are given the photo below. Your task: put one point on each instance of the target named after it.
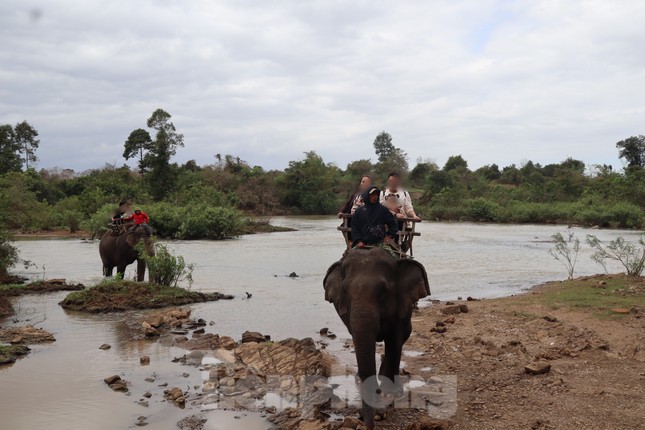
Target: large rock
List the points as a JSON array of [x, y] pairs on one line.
[[208, 341], [290, 357], [538, 368], [25, 335], [253, 336], [116, 383], [170, 318]]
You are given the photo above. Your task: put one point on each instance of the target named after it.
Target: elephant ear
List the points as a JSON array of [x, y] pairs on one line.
[[412, 285], [131, 238], [334, 291]]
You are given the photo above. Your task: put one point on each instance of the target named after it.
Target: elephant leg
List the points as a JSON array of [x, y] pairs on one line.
[[120, 271], [107, 270], [390, 367], [141, 270], [363, 333]]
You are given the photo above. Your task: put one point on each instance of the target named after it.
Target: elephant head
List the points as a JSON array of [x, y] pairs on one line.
[[374, 295], [141, 233]]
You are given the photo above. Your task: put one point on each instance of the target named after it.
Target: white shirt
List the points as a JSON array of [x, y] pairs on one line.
[[402, 197]]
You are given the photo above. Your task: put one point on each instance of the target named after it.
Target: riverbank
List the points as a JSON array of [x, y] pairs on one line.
[[251, 226], [564, 355]]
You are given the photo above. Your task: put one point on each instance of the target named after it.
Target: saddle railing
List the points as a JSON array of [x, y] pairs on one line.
[[405, 235]]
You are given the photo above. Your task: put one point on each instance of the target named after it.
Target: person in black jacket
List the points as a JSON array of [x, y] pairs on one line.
[[372, 223]]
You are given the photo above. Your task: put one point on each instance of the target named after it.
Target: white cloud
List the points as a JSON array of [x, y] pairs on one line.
[[496, 81]]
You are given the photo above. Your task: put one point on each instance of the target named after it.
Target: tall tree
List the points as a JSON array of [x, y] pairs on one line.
[[26, 136], [139, 143], [9, 150], [454, 162], [390, 158], [632, 150], [164, 147]]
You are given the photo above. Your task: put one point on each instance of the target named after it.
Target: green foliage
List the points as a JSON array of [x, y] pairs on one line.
[[98, 222], [154, 156], [455, 162], [481, 209], [632, 150], [9, 150], [26, 140], [629, 255], [17, 144], [307, 185], [566, 251], [390, 158], [195, 221], [8, 254], [164, 267], [138, 144]]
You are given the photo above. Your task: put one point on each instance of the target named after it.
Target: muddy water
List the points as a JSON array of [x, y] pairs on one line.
[[59, 386]]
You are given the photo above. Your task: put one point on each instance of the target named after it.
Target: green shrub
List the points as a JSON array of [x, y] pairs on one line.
[[630, 255], [8, 254], [210, 222], [166, 268], [195, 221], [97, 223], [626, 215], [482, 210], [166, 219]]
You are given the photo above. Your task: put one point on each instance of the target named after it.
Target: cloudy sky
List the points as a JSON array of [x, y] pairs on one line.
[[495, 81]]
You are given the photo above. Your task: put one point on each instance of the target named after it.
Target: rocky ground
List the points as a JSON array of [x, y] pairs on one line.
[[16, 339], [563, 356]]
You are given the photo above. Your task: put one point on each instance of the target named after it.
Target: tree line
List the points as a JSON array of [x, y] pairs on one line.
[[215, 200]]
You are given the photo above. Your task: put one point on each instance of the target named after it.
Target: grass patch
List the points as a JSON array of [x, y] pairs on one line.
[[117, 295], [596, 294], [37, 287], [261, 225], [9, 353]]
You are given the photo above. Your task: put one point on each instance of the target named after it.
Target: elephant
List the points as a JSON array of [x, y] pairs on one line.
[[118, 250], [374, 295]]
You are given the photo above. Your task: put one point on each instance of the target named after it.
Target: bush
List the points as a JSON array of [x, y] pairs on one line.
[[566, 251], [626, 215], [482, 210], [8, 254], [166, 268], [210, 222], [97, 223], [197, 221], [630, 256]]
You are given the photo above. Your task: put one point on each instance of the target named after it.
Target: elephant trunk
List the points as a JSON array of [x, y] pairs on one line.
[[149, 245], [364, 328]]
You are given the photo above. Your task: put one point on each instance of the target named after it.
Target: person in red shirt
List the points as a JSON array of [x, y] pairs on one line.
[[140, 218]]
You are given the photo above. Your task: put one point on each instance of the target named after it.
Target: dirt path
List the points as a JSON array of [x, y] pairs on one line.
[[590, 331]]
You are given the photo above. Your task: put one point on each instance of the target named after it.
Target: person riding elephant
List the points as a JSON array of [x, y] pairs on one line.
[[119, 250], [374, 295], [373, 223], [140, 218]]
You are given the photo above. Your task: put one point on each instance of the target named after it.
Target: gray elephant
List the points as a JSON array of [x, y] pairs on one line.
[[374, 295], [118, 250]]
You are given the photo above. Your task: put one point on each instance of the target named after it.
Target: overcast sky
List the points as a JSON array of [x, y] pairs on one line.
[[495, 81]]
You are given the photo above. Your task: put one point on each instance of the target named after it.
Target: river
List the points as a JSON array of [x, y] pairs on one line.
[[59, 386]]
